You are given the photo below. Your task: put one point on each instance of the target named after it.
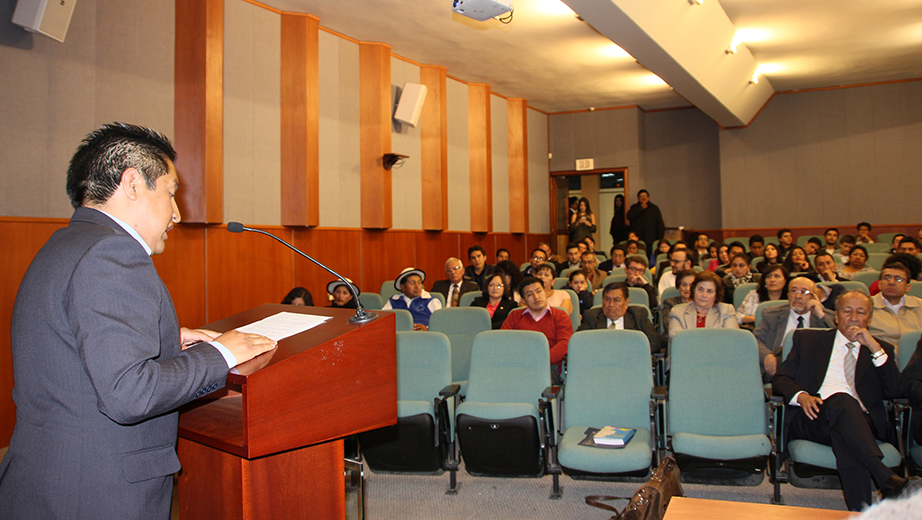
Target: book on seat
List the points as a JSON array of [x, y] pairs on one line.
[[608, 437]]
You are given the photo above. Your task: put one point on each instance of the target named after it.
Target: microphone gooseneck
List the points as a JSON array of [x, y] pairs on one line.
[[361, 315]]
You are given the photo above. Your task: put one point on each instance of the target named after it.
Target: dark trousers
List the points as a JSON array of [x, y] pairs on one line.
[[844, 426]]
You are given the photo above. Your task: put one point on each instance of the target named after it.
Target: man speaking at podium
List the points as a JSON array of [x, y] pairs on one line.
[[97, 360]]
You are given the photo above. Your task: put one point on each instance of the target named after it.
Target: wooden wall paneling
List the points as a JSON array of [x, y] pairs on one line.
[[300, 108], [246, 270], [181, 266], [338, 249], [517, 111], [385, 254], [433, 249], [22, 240], [515, 243], [481, 157], [375, 134], [532, 241], [434, 148], [199, 109], [484, 240]]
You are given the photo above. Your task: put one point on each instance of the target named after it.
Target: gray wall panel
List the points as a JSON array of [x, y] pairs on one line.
[[539, 220], [499, 121], [406, 180], [459, 173]]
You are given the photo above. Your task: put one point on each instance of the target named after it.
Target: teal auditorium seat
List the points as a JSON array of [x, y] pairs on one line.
[[468, 298], [742, 292], [608, 384], [876, 260], [716, 407], [460, 325], [637, 296], [867, 278], [878, 247], [566, 272], [506, 424], [907, 347], [764, 305], [560, 282], [885, 238], [575, 317], [404, 320], [802, 240], [371, 301], [388, 289], [422, 441], [849, 285]]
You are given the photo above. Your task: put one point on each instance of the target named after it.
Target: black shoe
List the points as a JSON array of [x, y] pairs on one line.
[[896, 486]]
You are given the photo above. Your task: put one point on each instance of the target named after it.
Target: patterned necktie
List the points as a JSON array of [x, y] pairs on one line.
[[800, 322], [849, 366], [455, 295], [613, 325]]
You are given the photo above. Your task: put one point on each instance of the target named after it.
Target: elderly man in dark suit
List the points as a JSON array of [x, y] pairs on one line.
[[803, 310], [97, 349], [617, 313], [833, 383], [455, 285]]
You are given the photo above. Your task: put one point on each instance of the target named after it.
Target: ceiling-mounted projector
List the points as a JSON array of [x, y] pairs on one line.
[[481, 10]]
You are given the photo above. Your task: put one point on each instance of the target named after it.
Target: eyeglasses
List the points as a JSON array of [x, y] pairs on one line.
[[804, 292], [455, 268], [892, 278], [495, 286], [536, 258]]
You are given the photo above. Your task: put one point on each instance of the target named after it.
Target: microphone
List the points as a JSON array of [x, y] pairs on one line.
[[361, 315]]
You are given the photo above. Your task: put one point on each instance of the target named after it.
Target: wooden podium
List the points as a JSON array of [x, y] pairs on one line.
[[269, 445]]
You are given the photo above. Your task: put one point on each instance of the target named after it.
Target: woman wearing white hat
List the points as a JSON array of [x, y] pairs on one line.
[[342, 296]]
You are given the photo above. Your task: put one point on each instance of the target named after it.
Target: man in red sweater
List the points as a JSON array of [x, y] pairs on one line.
[[538, 316]]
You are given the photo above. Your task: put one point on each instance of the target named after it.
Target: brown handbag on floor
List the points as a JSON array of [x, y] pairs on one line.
[[651, 500]]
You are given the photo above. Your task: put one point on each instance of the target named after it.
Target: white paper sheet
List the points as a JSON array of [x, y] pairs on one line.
[[284, 324]]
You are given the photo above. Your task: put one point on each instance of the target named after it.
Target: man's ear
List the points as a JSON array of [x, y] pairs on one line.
[[131, 183]]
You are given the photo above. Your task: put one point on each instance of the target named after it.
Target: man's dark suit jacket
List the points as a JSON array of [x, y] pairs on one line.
[[770, 332], [636, 318], [805, 369], [912, 378], [443, 286], [506, 306], [99, 374]]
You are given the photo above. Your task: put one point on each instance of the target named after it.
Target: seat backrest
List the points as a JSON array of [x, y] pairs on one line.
[[523, 266], [877, 247], [788, 342], [575, 316], [867, 277], [372, 301], [560, 282], [885, 238], [566, 272], [460, 325], [388, 289], [849, 285], [915, 289], [608, 379], [509, 366], [876, 260], [468, 298], [802, 240], [908, 342], [614, 278], [715, 385], [423, 365], [755, 261], [438, 296], [638, 296], [404, 320], [765, 305], [671, 292], [742, 292]]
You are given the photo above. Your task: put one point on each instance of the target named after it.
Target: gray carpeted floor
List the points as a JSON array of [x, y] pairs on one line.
[[423, 497]]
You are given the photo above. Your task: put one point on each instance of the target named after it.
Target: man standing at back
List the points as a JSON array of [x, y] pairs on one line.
[[646, 220], [96, 345]]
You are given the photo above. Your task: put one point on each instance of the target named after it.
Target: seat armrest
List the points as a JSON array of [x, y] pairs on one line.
[[450, 390], [551, 392]]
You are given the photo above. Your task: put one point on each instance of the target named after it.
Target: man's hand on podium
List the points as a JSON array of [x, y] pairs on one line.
[[244, 346]]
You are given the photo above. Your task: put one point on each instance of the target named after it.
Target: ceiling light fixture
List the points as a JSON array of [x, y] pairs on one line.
[[755, 78], [695, 2], [733, 44]]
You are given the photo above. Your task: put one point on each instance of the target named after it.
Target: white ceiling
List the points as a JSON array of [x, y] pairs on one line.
[[559, 63]]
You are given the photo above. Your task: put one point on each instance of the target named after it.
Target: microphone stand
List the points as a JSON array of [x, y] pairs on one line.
[[361, 315]]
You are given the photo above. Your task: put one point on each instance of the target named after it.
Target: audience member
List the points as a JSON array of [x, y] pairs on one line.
[[846, 243], [702, 241], [577, 283], [896, 312], [733, 248], [455, 285], [813, 246], [662, 247], [551, 257], [803, 309], [661, 268], [770, 256], [797, 261], [538, 257], [864, 233], [632, 247], [572, 256], [832, 240], [502, 254], [785, 243], [773, 286], [722, 261], [683, 282], [590, 246], [479, 269], [739, 274], [554, 323], [298, 296], [616, 261], [618, 313], [706, 310], [511, 277], [341, 295], [646, 219], [594, 276], [494, 299], [636, 267], [756, 246], [554, 298], [619, 225], [826, 267], [856, 264], [895, 243], [910, 246], [582, 247], [582, 223], [413, 298], [679, 260]]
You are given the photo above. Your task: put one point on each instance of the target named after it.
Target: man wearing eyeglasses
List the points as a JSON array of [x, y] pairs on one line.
[[635, 268], [538, 257], [803, 310], [895, 312], [455, 285]]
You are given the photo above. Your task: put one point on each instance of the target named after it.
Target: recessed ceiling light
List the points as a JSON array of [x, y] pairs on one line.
[[551, 7], [612, 50]]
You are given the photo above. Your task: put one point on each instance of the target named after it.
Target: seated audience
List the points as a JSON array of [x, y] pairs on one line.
[[910, 246], [502, 254], [577, 283], [797, 261], [617, 313], [663, 247], [557, 260], [733, 248], [832, 240], [494, 299], [479, 269], [341, 295], [658, 270], [864, 233], [616, 260], [680, 260], [298, 296], [773, 286], [455, 285], [722, 260], [804, 309], [785, 243], [756, 246], [702, 241], [846, 243], [632, 247], [538, 316], [573, 256], [590, 246], [683, 282], [594, 276], [538, 257], [635, 270], [554, 298], [739, 274], [895, 243], [706, 310], [856, 264], [826, 267], [813, 246], [895, 311], [770, 256], [413, 297], [511, 277]]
